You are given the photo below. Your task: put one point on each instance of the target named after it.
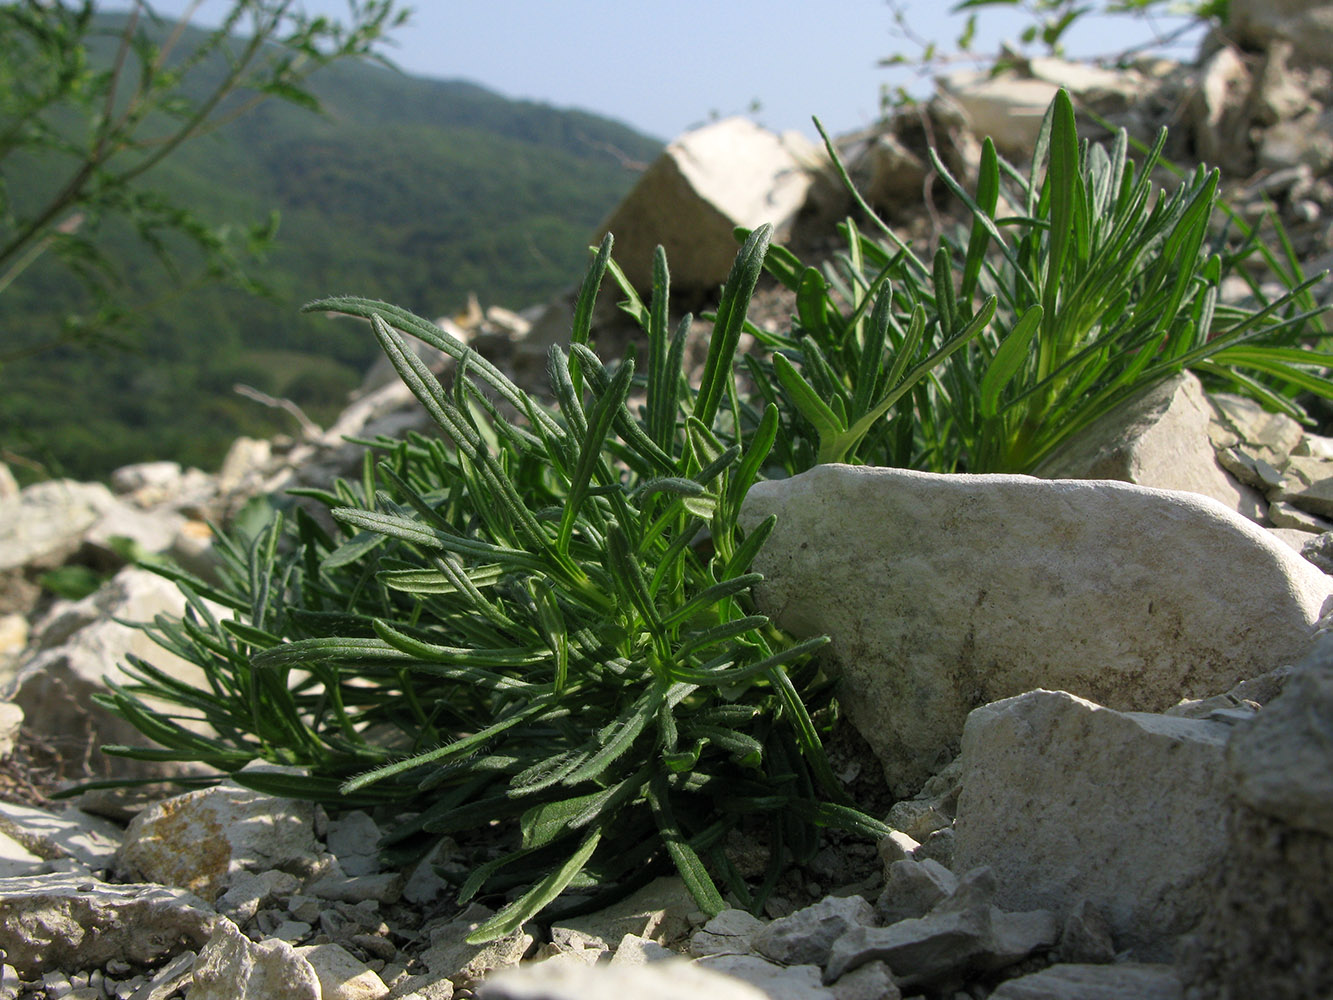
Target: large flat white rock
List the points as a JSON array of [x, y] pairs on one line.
[[943, 593]]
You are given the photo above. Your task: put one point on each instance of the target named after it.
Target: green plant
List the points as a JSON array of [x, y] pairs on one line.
[[542, 622], [95, 132], [543, 618], [1101, 285]]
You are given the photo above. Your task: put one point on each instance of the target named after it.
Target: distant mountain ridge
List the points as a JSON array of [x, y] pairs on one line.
[[417, 191]]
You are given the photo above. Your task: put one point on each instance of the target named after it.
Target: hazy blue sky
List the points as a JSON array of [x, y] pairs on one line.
[[665, 67]]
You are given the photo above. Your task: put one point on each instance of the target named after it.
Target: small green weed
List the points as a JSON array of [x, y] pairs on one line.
[[543, 618], [1100, 285]]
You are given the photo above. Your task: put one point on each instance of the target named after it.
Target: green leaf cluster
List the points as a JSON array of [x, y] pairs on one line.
[[1076, 287], [541, 621], [542, 616]]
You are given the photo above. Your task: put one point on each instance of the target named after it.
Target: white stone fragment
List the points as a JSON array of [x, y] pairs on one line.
[[655, 981], [1127, 981], [199, 839], [72, 921], [775, 981], [342, 976], [232, 967], [707, 182], [946, 592], [1065, 800], [805, 937]]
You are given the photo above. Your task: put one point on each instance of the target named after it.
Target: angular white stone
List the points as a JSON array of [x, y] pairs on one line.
[[912, 888], [1127, 981], [11, 721], [777, 982], [1160, 439], [669, 980], [805, 937], [1282, 759], [50, 922], [160, 476], [15, 859], [232, 967], [1067, 801], [730, 933], [872, 981], [342, 976], [354, 840], [661, 910], [197, 840], [80, 645], [942, 593], [634, 950], [450, 955], [71, 833], [707, 182], [46, 520], [1007, 109]]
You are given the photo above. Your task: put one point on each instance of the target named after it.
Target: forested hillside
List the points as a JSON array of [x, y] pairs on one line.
[[411, 190]]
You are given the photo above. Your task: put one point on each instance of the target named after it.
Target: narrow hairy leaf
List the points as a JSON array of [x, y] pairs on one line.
[[536, 899], [687, 862]]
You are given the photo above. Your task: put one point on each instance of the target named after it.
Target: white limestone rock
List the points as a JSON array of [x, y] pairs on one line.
[[662, 910], [69, 833], [729, 933], [342, 976], [706, 183], [1065, 801], [963, 935], [15, 859], [634, 950], [46, 521], [386, 887], [1267, 436], [775, 981], [1086, 937], [198, 840], [354, 839], [11, 721], [248, 891], [161, 477], [1308, 484], [872, 981], [1005, 107], [806, 936], [423, 884], [943, 593], [1216, 106], [1159, 438], [1282, 758], [72, 922], [912, 889], [82, 643], [232, 967], [1127, 981], [654, 981]]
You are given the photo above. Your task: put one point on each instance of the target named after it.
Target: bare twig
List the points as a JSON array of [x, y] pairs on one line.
[[309, 429]]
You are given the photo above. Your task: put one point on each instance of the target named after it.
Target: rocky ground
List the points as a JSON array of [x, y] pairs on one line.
[[1139, 808]]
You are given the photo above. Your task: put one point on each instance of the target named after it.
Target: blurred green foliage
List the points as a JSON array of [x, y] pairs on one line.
[[419, 191]]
